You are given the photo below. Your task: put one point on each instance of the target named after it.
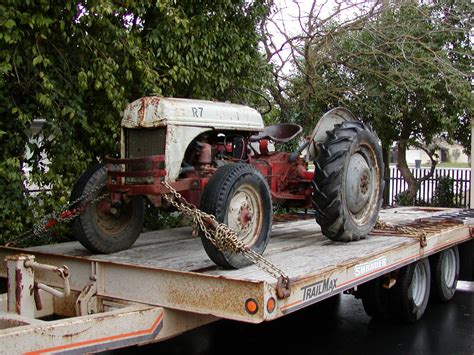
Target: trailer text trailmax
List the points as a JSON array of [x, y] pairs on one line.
[[60, 298]]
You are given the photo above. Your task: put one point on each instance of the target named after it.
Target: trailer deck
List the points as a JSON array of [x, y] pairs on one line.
[[166, 285]]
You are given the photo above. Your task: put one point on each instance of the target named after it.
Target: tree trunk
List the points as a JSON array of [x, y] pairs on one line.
[[402, 165]]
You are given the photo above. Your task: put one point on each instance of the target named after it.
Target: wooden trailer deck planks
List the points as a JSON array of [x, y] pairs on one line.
[[297, 247]]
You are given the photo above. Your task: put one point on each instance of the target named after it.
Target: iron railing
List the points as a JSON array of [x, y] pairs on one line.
[[426, 193]]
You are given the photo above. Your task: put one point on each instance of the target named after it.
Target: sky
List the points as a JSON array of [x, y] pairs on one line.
[[291, 16]]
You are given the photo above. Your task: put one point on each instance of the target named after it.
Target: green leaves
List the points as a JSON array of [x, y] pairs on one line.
[[73, 66], [9, 24]]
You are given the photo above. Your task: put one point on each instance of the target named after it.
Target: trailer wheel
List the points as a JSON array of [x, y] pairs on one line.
[[238, 195], [375, 298], [348, 182], [466, 261], [96, 228], [409, 296], [445, 266]]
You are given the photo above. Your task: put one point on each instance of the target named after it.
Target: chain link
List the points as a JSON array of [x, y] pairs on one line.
[[219, 234], [382, 225], [407, 230], [224, 238], [67, 213]]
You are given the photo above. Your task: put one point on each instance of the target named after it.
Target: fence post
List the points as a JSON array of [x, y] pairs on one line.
[[471, 204], [386, 174]]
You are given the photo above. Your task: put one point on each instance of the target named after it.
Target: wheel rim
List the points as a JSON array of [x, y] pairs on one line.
[[417, 289], [112, 224], [362, 184], [448, 267], [244, 214]]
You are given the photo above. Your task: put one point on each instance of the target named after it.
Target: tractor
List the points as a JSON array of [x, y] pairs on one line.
[[221, 158]]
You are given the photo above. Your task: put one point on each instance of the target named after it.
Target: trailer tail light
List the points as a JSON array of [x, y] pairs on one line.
[[271, 303], [251, 306]]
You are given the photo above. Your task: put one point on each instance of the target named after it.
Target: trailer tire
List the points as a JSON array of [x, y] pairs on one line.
[[375, 298], [348, 182], [408, 298], [466, 261], [234, 193], [445, 274], [99, 231]]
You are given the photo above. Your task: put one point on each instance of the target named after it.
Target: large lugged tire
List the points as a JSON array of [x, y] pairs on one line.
[[96, 228], [348, 182], [238, 195]]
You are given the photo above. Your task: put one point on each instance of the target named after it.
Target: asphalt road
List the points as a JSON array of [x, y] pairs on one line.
[[339, 326]]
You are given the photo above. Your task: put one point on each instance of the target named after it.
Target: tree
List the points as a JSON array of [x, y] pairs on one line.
[[76, 64], [402, 66]]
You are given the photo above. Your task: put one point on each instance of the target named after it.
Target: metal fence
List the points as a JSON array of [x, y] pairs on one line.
[[461, 185]]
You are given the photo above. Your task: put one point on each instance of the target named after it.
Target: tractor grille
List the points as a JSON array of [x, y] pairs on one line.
[[144, 142], [141, 143]]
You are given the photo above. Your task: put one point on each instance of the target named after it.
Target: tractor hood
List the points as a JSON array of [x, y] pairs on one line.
[[156, 111]]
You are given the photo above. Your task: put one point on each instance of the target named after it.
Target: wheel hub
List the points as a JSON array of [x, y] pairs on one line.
[[110, 218], [245, 215], [358, 183], [417, 289], [448, 267], [241, 214]]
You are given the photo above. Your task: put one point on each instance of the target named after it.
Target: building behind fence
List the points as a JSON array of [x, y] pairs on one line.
[[426, 193]]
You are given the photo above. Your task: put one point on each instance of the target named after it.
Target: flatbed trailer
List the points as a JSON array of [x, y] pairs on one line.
[[165, 284]]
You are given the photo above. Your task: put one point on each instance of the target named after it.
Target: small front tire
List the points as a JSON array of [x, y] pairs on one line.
[[96, 228], [238, 195]]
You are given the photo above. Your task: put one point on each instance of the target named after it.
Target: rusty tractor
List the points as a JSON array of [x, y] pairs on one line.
[[221, 158]]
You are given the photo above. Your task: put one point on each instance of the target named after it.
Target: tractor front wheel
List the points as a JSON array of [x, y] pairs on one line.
[[238, 195], [103, 228]]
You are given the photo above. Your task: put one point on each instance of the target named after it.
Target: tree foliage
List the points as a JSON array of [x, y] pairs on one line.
[[76, 64], [402, 66]]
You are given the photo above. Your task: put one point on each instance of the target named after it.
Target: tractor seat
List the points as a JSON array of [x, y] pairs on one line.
[[279, 133]]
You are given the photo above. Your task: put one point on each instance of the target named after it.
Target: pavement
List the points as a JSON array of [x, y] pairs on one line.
[[337, 326]]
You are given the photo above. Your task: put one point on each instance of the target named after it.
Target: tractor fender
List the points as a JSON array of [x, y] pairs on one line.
[[326, 123]]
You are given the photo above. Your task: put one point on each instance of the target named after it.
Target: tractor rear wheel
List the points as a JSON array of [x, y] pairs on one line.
[[97, 228], [348, 182], [238, 195]]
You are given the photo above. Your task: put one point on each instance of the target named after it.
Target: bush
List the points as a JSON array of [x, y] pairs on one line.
[[156, 219], [444, 193]]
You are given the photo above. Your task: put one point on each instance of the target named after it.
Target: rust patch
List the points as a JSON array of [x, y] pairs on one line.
[[37, 297], [427, 209], [289, 217], [146, 104], [18, 290], [8, 283], [142, 111]]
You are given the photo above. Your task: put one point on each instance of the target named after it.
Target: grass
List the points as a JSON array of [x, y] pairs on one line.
[[448, 165]]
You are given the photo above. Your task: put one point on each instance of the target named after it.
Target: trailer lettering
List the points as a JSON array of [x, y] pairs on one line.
[[197, 112], [318, 288], [367, 267]]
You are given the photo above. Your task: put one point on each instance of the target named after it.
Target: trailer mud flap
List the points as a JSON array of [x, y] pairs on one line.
[[115, 329]]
